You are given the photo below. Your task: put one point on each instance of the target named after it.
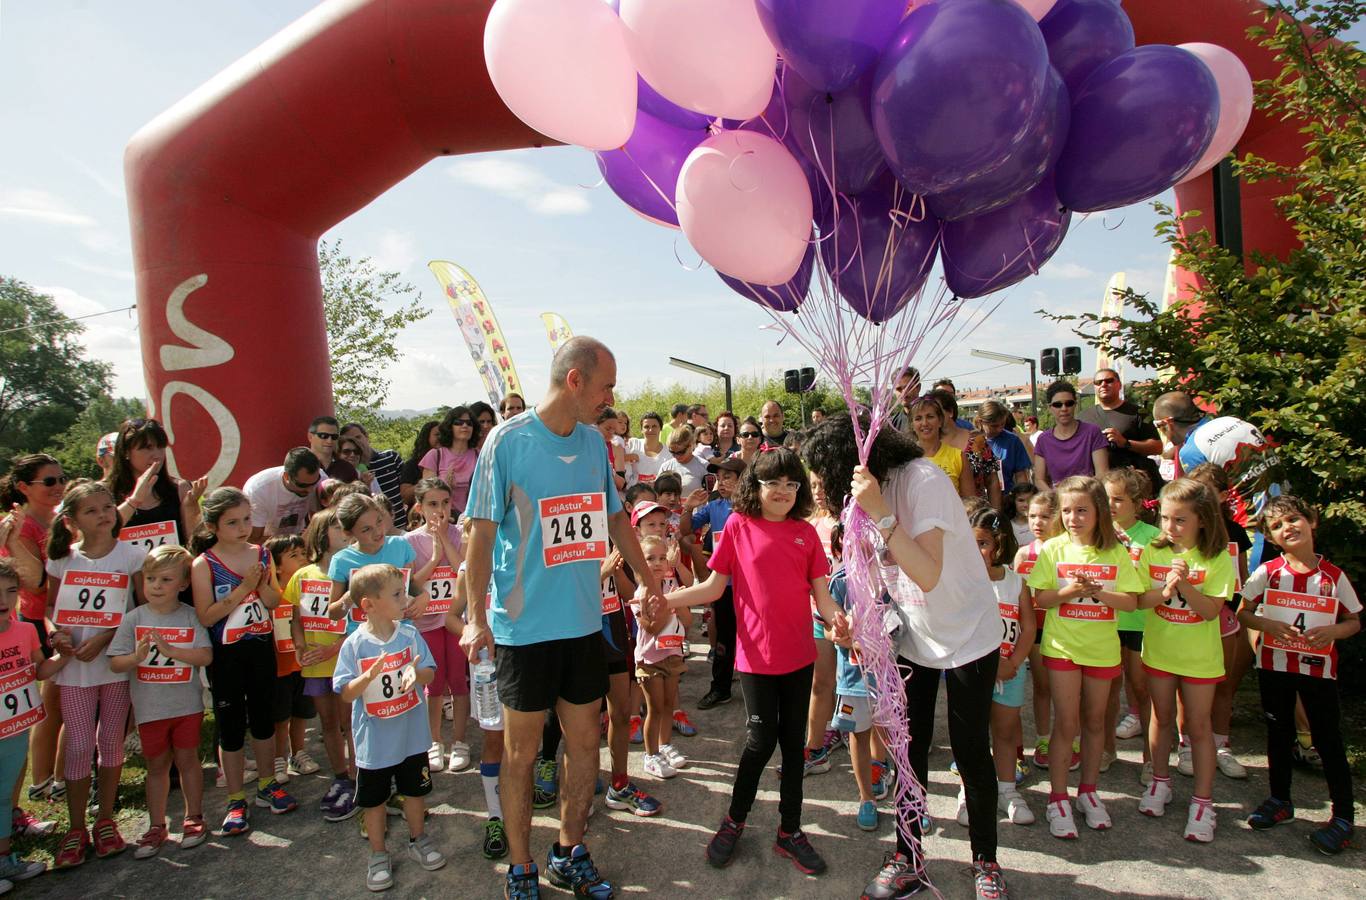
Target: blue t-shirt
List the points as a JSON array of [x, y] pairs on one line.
[[1010, 450], [714, 512], [382, 742], [396, 551], [848, 675], [551, 497]]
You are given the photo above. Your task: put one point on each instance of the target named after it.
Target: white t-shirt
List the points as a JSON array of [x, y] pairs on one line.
[[958, 621], [619, 452], [646, 468], [691, 472], [273, 506], [125, 559]]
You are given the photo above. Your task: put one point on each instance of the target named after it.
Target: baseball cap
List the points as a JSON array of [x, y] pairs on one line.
[[105, 447], [643, 509], [729, 464]]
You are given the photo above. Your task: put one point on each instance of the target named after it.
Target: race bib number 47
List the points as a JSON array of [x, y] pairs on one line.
[[314, 598], [1303, 612], [1087, 609], [574, 528], [91, 599], [383, 698], [158, 668], [21, 707]]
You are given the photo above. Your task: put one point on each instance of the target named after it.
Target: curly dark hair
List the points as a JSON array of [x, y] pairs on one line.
[[768, 466], [831, 453]]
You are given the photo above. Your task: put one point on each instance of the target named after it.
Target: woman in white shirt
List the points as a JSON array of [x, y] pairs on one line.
[[645, 454]]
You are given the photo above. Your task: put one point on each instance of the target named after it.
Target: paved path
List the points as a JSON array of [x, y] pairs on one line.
[[300, 856]]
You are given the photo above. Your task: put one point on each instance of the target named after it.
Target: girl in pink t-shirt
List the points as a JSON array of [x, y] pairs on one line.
[[774, 560], [659, 663]]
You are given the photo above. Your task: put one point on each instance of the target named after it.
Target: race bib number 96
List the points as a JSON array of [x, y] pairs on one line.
[[574, 528], [91, 599]]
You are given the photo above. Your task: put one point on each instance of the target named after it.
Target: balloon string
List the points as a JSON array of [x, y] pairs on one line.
[[667, 198]]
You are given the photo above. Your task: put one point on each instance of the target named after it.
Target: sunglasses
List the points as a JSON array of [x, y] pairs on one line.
[[1063, 404], [749, 434], [49, 481], [326, 435], [463, 423], [350, 451], [1107, 381]]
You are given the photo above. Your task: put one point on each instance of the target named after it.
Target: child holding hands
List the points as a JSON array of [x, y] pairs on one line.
[[659, 664]]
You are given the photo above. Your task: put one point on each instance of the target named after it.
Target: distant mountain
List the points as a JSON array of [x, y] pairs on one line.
[[408, 413]]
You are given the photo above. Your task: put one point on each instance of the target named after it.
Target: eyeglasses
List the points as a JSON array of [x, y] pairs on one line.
[[787, 487], [1063, 404], [49, 481], [326, 435], [350, 452], [749, 434], [1107, 381]]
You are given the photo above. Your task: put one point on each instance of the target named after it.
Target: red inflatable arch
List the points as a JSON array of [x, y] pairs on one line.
[[230, 189]]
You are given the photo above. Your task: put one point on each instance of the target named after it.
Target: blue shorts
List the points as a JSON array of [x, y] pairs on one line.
[[1011, 693]]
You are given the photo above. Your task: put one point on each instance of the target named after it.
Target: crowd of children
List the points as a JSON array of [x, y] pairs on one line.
[[1116, 624]]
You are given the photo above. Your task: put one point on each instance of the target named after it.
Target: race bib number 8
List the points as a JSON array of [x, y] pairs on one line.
[[148, 537], [441, 590], [91, 599], [21, 707], [1087, 609], [158, 668], [314, 597], [382, 698], [574, 528], [1303, 612]]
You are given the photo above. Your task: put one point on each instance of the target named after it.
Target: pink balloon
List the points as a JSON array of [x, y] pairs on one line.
[[745, 206], [1235, 103], [709, 56], [564, 68], [1037, 8]]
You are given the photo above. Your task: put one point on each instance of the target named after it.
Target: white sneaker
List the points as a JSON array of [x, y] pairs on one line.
[[1200, 823], [1093, 810], [676, 759], [1060, 821], [302, 764], [1145, 774], [1228, 763], [1129, 727], [1155, 799], [658, 766], [460, 757], [282, 770], [962, 807], [1184, 765], [1015, 808], [1107, 759], [436, 758]]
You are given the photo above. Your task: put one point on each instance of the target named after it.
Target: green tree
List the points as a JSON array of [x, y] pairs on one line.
[[45, 379], [75, 447], [361, 334], [1282, 342], [748, 393]]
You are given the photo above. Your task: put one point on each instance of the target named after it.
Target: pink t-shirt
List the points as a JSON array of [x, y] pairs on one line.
[[421, 542], [456, 469], [771, 566], [17, 643], [652, 648], [32, 604]]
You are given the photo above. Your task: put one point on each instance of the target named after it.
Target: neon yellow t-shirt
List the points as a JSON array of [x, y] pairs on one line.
[[1141, 534], [1176, 639], [313, 613], [950, 459], [1083, 630]]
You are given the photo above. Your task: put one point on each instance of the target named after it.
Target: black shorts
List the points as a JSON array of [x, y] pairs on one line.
[[44, 639], [290, 700], [616, 643], [411, 778], [533, 677], [1131, 640]]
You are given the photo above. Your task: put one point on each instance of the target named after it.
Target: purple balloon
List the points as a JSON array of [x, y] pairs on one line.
[[1084, 34], [875, 254], [776, 123], [648, 100], [655, 152], [835, 132], [1139, 124], [780, 298], [957, 91], [830, 42], [1025, 167], [993, 251]]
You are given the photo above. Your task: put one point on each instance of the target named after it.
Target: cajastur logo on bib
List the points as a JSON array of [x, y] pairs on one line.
[[573, 528], [1087, 609]]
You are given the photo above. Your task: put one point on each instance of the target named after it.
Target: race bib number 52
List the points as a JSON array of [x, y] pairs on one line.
[[574, 528]]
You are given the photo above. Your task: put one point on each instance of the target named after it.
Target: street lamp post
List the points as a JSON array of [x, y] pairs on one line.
[[705, 370], [1033, 374]]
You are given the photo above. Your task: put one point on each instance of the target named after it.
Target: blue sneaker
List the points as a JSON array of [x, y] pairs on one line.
[[1333, 838], [683, 725], [334, 790], [235, 822], [276, 799], [867, 815], [884, 778], [1271, 813], [632, 798], [344, 806], [545, 789], [523, 883], [577, 874]]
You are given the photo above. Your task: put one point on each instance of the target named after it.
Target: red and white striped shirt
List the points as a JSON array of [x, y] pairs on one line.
[[1325, 581]]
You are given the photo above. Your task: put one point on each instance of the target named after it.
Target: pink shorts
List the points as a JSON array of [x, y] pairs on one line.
[[1104, 673], [1228, 621], [179, 733], [452, 668], [1163, 673]]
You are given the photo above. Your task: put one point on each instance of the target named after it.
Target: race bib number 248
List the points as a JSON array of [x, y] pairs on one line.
[[574, 528]]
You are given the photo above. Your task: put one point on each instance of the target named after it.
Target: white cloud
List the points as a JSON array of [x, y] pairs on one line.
[[1069, 271], [102, 271], [40, 206], [397, 251], [111, 186], [111, 338], [521, 182]]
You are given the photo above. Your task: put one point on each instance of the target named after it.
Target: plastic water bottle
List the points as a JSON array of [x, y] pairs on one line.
[[484, 692]]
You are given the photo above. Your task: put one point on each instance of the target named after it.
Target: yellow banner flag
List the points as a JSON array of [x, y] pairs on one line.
[[1111, 308], [556, 329], [473, 312]]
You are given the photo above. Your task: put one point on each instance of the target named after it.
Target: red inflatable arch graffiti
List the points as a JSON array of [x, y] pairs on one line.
[[230, 189]]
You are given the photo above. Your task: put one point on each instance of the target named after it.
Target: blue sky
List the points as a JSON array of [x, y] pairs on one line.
[[77, 79]]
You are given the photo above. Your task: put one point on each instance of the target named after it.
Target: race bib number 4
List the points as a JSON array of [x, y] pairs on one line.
[[158, 668], [382, 698], [314, 597], [148, 537], [1175, 609], [249, 617], [1087, 609], [574, 528], [91, 599], [21, 706], [441, 590], [1302, 611], [1010, 627]]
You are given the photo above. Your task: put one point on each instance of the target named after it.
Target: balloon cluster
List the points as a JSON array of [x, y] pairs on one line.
[[875, 135]]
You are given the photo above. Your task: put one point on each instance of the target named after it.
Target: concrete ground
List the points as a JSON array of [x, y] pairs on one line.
[[300, 856]]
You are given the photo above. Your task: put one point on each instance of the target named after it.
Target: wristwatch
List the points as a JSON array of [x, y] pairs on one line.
[[887, 521]]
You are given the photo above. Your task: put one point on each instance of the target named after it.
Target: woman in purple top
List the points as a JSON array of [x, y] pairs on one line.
[[1070, 447]]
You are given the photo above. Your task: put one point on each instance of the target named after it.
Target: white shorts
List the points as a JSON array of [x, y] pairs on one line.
[[852, 714]]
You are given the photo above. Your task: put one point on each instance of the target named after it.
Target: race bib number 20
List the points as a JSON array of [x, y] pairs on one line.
[[574, 528]]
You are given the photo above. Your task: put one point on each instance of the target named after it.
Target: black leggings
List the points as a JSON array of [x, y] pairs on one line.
[[722, 644], [776, 706], [969, 690], [1320, 696], [242, 679]]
